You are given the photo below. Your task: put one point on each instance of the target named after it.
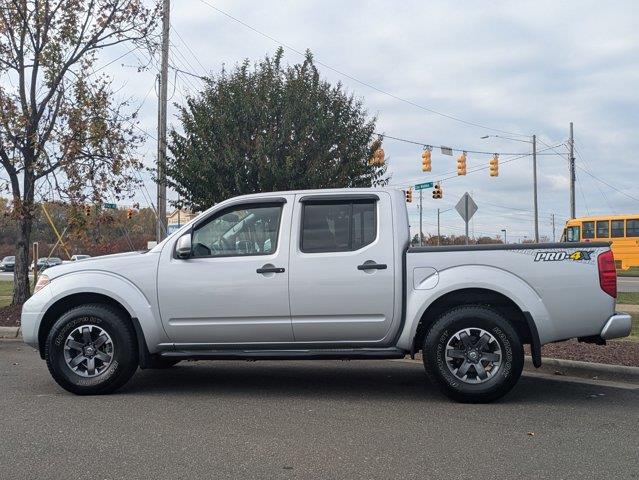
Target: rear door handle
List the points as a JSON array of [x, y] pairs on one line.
[[270, 270], [372, 266]]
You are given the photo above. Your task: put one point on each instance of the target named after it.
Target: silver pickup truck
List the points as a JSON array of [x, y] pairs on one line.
[[324, 274]]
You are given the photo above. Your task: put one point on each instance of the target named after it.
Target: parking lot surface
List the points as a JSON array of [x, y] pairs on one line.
[[313, 419]]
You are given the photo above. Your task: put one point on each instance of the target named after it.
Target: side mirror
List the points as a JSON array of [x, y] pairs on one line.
[[183, 247]]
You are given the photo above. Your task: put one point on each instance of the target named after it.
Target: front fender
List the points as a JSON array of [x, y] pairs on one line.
[[472, 276], [118, 288]]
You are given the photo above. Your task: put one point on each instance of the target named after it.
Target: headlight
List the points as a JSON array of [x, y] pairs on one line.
[[43, 281]]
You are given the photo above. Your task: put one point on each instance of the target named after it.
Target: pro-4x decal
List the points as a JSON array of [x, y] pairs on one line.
[[550, 256]]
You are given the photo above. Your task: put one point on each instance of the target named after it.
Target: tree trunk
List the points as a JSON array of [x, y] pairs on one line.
[[21, 288]]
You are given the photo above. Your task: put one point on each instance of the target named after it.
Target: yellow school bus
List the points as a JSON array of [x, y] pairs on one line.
[[621, 230]]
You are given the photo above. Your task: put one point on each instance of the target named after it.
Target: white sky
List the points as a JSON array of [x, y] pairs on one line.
[[524, 67]]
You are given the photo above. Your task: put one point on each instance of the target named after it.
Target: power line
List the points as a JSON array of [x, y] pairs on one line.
[[197, 59], [460, 150], [355, 79], [603, 194], [599, 179], [477, 169], [179, 70]]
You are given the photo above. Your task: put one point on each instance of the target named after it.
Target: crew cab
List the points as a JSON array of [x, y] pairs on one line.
[[321, 274]]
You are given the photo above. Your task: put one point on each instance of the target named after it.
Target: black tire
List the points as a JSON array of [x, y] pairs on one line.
[[123, 361], [161, 363], [473, 317]]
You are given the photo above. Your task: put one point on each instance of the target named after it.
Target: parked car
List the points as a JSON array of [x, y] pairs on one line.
[[77, 257], [321, 275], [44, 263], [8, 264]]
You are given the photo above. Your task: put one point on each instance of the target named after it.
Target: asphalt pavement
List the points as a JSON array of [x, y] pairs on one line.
[[313, 419]]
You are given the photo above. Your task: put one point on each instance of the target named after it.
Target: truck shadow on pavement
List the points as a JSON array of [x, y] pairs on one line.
[[337, 380]]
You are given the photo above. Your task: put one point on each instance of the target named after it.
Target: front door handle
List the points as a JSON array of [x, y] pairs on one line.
[[372, 266], [270, 270]]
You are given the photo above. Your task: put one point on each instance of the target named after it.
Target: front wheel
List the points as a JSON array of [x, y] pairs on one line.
[[91, 350], [473, 354]]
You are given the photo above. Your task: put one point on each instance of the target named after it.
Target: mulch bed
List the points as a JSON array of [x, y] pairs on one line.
[[10, 316], [624, 352]]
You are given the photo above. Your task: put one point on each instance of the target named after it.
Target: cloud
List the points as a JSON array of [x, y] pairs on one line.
[[524, 67]]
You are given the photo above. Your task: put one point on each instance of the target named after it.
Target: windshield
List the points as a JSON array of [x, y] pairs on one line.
[[9, 259]]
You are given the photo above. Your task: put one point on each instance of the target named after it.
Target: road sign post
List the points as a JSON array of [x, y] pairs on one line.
[[421, 233], [466, 207], [420, 187]]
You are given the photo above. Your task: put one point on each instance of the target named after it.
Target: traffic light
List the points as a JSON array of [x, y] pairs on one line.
[[409, 195], [494, 166], [87, 210], [129, 213], [461, 164], [426, 166], [377, 160], [438, 192]]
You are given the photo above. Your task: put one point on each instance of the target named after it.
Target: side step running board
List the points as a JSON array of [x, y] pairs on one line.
[[297, 354]]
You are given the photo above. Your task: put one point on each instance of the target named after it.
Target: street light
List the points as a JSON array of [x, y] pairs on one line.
[[504, 230], [534, 155]]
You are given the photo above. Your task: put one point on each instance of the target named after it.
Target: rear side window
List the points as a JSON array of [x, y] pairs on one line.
[[338, 226], [632, 228], [603, 227], [616, 228], [589, 229]]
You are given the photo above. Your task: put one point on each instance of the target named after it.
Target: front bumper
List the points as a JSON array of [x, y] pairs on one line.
[[617, 326], [32, 312]]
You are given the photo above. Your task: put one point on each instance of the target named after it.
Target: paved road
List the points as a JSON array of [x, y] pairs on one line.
[[628, 284], [318, 420]]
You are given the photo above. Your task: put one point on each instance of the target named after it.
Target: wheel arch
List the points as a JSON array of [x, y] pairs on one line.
[[521, 320], [66, 303]]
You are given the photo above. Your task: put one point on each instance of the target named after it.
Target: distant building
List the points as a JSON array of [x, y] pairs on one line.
[[178, 218]]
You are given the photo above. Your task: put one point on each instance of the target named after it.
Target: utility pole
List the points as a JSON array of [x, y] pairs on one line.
[[572, 172], [162, 107], [421, 233], [439, 241], [534, 155]]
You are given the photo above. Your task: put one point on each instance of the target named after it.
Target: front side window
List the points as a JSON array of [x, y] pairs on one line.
[[603, 227], [239, 231], [572, 234], [338, 226], [616, 228], [589, 229], [632, 228]]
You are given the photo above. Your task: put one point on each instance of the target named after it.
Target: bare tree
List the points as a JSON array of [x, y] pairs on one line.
[[61, 129]]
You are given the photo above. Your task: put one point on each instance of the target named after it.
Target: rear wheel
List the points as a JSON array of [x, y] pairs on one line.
[[473, 354], [91, 350]]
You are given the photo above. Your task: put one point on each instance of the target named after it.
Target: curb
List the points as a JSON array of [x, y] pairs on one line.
[[575, 368], [10, 332], [626, 307]]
